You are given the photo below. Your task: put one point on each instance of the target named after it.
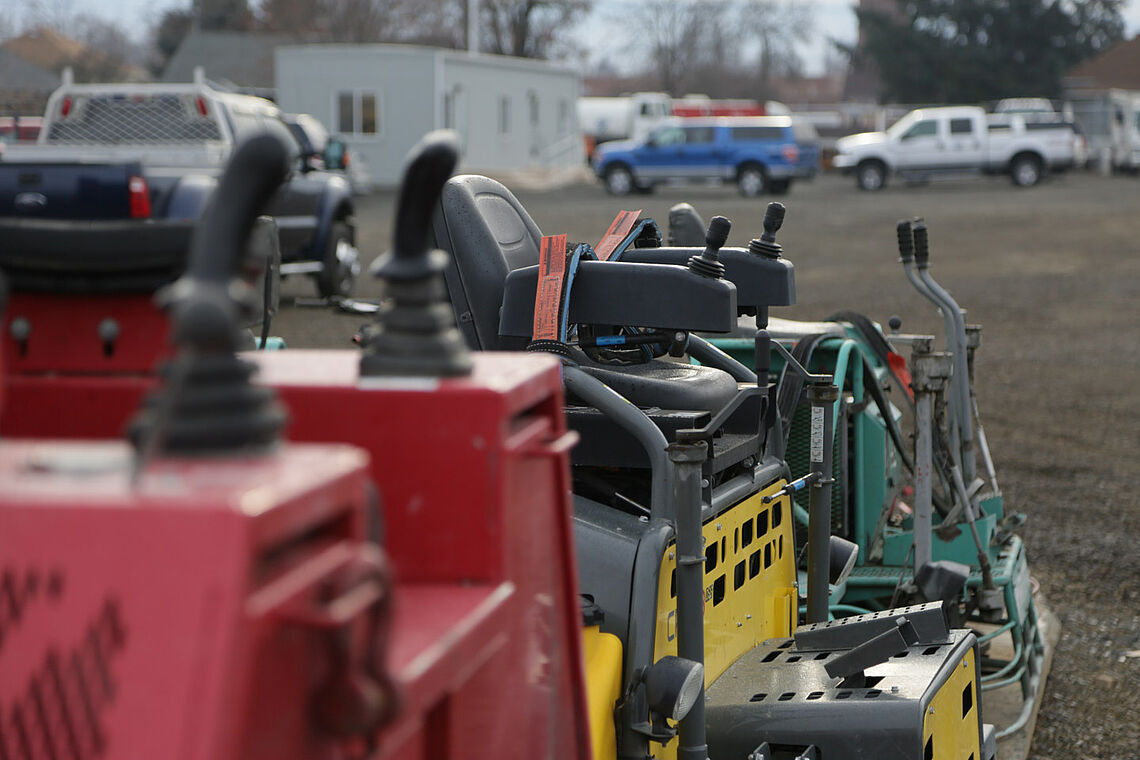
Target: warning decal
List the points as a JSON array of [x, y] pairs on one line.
[[548, 294], [817, 435], [619, 228]]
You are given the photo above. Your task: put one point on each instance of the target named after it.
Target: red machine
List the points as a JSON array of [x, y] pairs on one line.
[[198, 598]]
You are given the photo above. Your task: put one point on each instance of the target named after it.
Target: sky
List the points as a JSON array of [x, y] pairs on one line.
[[834, 19]]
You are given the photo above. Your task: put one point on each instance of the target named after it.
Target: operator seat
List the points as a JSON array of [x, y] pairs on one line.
[[489, 234]]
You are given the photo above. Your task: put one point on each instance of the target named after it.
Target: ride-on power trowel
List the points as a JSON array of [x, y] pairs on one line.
[[683, 507], [956, 543]]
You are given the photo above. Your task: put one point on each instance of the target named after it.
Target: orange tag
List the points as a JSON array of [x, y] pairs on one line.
[[619, 228], [548, 294]]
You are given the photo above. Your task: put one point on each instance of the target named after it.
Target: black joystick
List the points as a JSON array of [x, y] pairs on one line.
[[414, 333], [906, 241], [707, 264], [766, 244], [207, 404]]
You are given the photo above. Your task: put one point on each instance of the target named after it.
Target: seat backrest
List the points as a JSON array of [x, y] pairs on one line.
[[488, 234]]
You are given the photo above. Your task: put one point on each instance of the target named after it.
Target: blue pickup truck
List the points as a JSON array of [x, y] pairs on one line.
[[759, 153]]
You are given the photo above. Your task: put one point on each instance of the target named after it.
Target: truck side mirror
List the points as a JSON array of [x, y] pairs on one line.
[[335, 151]]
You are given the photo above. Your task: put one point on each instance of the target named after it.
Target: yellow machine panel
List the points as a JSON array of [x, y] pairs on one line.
[[950, 725], [602, 653], [750, 592]]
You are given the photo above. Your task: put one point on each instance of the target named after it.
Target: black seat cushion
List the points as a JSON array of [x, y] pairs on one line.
[[666, 384]]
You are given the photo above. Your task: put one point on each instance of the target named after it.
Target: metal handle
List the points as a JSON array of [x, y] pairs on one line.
[[342, 585]]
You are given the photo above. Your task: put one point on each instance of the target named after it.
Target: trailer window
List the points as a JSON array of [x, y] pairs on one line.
[[504, 115], [563, 117], [358, 113]]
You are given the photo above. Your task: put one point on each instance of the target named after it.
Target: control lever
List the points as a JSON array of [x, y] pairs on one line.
[[766, 244], [912, 236], [956, 339], [208, 404], [414, 332], [707, 264]]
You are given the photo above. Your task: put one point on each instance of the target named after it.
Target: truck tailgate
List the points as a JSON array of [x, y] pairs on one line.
[[68, 190]]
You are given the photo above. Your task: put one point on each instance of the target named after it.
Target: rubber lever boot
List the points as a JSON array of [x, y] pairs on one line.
[[707, 264], [766, 244]]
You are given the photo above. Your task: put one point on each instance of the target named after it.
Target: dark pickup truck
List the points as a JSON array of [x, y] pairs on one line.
[[138, 163]]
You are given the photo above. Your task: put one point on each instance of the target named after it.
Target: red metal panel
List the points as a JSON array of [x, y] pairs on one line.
[[134, 636], [474, 481], [65, 333]]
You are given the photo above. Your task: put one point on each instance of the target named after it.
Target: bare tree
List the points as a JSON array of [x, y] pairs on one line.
[[362, 20], [777, 26], [527, 28], [530, 28], [298, 18], [55, 14], [223, 15], [722, 48]]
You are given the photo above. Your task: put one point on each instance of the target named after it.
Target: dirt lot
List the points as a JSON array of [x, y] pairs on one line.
[[1053, 273]]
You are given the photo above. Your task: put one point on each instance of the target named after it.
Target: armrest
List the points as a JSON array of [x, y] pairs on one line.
[[620, 293], [760, 281]]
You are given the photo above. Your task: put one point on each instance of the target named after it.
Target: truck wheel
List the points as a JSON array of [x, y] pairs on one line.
[[619, 180], [871, 175], [752, 180], [341, 263], [779, 186], [1025, 170]]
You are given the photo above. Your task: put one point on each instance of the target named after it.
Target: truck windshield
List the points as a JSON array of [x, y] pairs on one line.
[[900, 127], [118, 119]]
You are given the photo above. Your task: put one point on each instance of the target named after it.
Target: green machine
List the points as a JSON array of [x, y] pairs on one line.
[[915, 485]]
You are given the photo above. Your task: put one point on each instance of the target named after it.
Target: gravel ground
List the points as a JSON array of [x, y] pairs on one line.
[[1052, 273]]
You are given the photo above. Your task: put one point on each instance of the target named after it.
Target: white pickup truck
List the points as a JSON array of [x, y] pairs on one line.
[[959, 139]]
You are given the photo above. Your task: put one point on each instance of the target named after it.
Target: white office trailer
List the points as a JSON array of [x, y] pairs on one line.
[[511, 114]]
